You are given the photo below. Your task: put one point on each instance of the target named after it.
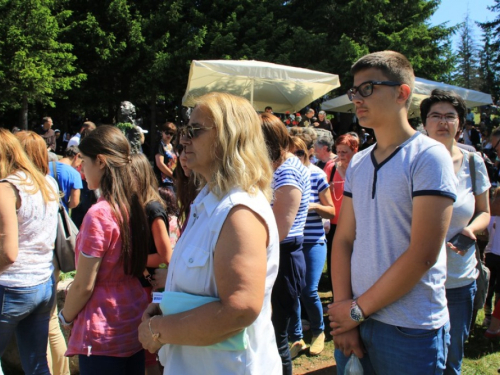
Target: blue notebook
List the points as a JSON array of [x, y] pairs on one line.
[[177, 302]]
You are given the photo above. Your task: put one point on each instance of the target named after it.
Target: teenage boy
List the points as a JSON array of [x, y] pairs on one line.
[[388, 257]]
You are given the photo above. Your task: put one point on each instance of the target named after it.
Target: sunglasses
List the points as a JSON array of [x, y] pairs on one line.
[[192, 132], [366, 88], [170, 134], [299, 153]]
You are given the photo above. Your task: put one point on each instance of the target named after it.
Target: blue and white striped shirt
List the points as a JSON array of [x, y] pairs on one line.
[[293, 172], [314, 231]]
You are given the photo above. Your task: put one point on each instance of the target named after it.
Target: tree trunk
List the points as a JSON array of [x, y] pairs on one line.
[[152, 126], [23, 118]]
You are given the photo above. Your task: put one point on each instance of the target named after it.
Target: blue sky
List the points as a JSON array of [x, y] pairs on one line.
[[454, 11]]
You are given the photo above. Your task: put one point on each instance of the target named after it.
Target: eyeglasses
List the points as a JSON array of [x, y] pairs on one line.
[[191, 131], [170, 134], [437, 117], [366, 88], [299, 153]]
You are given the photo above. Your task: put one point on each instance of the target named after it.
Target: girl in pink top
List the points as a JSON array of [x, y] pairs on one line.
[[106, 300]]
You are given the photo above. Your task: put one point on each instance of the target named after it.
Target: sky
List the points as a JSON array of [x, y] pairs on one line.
[[454, 11]]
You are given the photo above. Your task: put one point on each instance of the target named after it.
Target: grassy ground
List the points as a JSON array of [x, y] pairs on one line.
[[482, 355]]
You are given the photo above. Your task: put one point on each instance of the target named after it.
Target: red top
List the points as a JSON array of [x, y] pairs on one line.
[[110, 319]]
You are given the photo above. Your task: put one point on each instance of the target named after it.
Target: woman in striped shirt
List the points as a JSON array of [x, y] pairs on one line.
[[291, 189], [320, 207]]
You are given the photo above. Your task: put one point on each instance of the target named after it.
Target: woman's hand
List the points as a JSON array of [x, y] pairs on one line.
[[469, 233], [152, 310], [146, 337]]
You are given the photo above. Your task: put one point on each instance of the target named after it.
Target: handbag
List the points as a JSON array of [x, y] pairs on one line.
[[483, 278], [67, 231]]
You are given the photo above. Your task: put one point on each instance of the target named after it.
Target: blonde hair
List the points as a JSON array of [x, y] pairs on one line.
[[36, 149], [240, 154], [13, 159], [299, 144]]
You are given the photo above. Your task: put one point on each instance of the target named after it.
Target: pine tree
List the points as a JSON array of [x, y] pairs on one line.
[[35, 66], [466, 73]]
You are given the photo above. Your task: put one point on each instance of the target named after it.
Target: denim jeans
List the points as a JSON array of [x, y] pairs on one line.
[[285, 295], [104, 365], [26, 312], [493, 263], [397, 350], [460, 305], [315, 256]]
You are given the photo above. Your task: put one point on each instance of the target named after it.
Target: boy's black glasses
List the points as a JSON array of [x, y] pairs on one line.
[[192, 132], [366, 88]]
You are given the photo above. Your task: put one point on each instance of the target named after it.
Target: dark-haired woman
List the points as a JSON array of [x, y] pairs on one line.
[[443, 113], [165, 156], [291, 189], [106, 300]]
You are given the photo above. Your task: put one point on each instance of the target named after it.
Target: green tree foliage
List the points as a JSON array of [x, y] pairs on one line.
[[141, 50], [490, 54], [489, 65], [35, 66], [466, 73]]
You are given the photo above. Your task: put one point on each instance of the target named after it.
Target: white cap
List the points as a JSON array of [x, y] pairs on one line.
[[142, 130]]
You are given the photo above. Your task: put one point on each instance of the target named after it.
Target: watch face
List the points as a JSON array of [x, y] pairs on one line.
[[356, 314]]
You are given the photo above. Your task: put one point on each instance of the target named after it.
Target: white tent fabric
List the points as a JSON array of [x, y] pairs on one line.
[[284, 88], [423, 88]]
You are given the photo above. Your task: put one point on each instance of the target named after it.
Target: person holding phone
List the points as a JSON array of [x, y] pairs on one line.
[[443, 115]]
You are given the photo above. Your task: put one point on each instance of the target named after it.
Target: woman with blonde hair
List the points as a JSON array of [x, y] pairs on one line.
[[28, 221], [36, 149], [215, 315]]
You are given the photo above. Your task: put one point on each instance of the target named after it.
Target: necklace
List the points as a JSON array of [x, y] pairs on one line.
[[341, 194]]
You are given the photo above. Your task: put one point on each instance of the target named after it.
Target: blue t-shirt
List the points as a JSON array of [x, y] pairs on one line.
[[314, 231], [68, 179], [293, 172], [382, 198]]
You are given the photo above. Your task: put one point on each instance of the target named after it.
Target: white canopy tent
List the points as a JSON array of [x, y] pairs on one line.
[[423, 88], [284, 88]]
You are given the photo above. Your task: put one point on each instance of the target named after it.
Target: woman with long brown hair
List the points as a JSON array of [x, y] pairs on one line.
[[28, 221], [106, 300], [160, 249]]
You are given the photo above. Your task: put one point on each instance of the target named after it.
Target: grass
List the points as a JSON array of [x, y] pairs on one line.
[[67, 275], [482, 355]]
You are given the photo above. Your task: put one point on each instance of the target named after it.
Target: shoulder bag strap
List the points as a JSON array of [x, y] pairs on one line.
[[54, 169], [332, 173], [472, 168]]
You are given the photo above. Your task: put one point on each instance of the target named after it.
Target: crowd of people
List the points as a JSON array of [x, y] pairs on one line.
[[208, 258]]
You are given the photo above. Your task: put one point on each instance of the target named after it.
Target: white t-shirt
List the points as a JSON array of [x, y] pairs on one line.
[[191, 271], [74, 141], [494, 236], [382, 197], [462, 269], [37, 225]]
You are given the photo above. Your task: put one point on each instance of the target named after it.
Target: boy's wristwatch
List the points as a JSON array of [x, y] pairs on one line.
[[356, 313]]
